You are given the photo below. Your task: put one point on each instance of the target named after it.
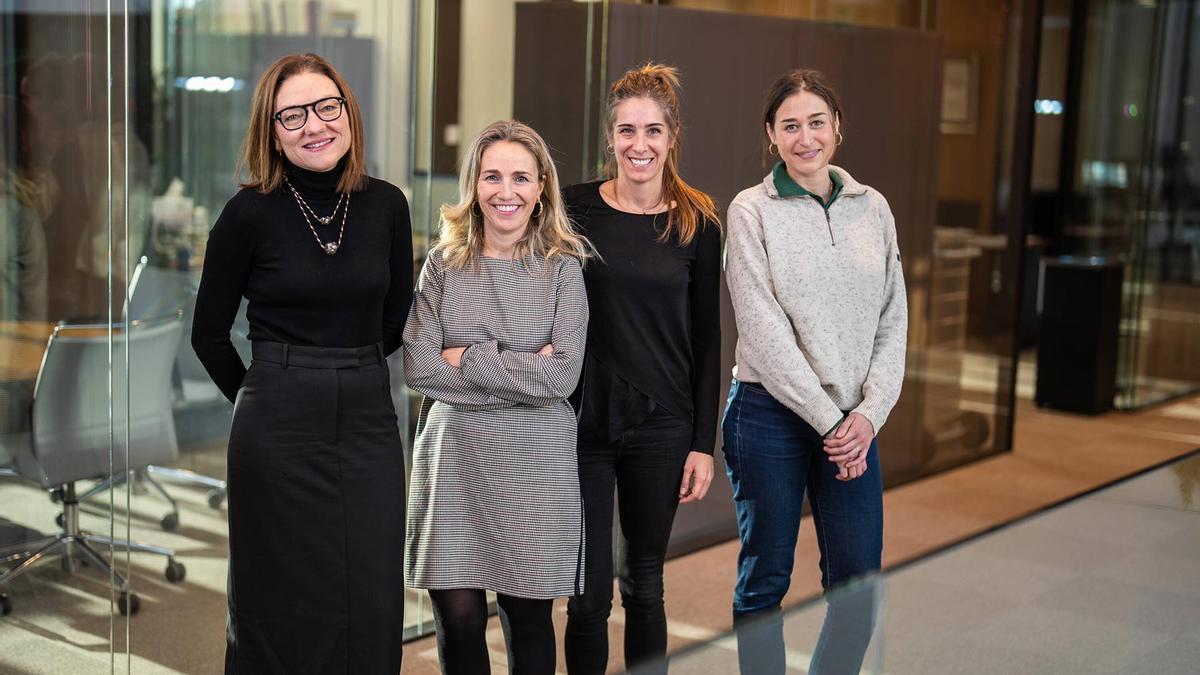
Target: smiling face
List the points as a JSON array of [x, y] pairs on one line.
[[640, 139], [806, 134], [509, 186], [318, 145]]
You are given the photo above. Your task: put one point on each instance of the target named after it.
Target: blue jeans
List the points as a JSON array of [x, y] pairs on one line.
[[772, 457]]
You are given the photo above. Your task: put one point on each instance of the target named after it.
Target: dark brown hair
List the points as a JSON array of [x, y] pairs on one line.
[[660, 84], [792, 83], [260, 159]]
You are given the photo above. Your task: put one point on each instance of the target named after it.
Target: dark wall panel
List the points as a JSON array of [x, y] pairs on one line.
[[889, 82]]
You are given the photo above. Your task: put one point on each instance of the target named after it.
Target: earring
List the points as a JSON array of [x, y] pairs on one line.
[[772, 149], [840, 138], [609, 148], [540, 208]]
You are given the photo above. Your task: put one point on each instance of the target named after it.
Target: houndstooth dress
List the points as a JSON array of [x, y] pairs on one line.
[[494, 497]]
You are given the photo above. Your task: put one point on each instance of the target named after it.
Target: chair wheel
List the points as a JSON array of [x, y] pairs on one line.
[[216, 498], [176, 572], [5, 605], [128, 604], [60, 520], [170, 522]]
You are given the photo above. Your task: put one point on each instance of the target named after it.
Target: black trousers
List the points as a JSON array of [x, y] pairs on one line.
[[316, 515], [645, 465]]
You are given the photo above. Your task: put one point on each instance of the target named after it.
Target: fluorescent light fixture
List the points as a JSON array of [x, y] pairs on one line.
[[211, 83]]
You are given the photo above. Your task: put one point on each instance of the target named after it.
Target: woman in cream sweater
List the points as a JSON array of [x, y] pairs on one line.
[[814, 272]]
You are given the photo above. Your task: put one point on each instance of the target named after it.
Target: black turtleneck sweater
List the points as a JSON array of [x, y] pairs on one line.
[[261, 248], [654, 334]]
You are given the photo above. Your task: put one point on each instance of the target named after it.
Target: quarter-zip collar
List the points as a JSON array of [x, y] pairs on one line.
[[779, 185], [786, 187], [850, 187]]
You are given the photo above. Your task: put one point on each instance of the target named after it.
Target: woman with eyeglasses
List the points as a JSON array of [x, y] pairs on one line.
[[323, 253]]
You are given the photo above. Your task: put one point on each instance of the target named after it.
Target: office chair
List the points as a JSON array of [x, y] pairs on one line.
[[79, 417], [158, 292]]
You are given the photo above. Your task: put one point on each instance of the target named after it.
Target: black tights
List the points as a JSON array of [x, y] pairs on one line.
[[461, 615]]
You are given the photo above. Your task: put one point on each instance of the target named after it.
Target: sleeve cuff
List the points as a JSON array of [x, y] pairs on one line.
[[873, 416], [835, 425], [474, 359], [701, 446], [827, 418]]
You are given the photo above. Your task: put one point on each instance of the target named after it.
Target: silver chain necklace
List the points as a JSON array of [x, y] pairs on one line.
[[328, 247]]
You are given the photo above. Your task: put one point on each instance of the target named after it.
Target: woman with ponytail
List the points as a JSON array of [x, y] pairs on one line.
[[649, 394]]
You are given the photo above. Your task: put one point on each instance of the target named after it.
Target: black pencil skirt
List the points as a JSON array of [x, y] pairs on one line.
[[316, 515]]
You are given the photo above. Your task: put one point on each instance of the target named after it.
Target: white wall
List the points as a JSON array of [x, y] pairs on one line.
[[486, 60]]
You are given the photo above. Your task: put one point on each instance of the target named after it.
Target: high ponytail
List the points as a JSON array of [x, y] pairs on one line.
[[692, 207]]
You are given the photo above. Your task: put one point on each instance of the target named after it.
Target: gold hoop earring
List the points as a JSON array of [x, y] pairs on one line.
[[840, 138], [538, 213], [772, 149]]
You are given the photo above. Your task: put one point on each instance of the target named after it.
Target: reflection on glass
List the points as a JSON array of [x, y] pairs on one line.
[[153, 156], [840, 632], [1134, 196], [66, 178], [119, 136]]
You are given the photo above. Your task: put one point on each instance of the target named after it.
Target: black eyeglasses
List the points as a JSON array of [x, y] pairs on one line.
[[295, 117]]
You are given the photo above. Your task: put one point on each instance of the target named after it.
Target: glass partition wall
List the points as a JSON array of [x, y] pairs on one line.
[[120, 130], [74, 199], [1126, 183], [121, 124]]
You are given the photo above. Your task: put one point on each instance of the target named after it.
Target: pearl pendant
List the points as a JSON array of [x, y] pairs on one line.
[[330, 248]]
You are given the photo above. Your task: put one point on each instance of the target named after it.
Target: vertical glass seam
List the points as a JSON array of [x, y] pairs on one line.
[[587, 88], [128, 323], [108, 225], [603, 82]]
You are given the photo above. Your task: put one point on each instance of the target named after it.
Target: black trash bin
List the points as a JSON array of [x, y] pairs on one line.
[[1077, 345]]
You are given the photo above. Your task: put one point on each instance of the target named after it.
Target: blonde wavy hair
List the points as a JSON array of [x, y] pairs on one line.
[[550, 232]]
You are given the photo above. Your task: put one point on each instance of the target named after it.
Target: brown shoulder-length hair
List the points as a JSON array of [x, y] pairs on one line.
[[660, 83], [262, 162], [791, 83]]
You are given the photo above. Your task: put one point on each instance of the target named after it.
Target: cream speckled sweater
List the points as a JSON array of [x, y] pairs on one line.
[[819, 298]]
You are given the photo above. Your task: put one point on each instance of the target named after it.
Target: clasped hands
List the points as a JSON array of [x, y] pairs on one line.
[[847, 446], [453, 355]]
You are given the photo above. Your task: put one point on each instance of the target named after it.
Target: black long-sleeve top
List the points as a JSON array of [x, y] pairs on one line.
[[261, 248], [654, 337]]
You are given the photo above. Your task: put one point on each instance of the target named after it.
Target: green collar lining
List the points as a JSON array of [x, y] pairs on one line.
[[786, 187]]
